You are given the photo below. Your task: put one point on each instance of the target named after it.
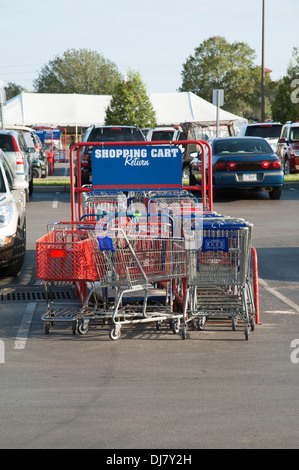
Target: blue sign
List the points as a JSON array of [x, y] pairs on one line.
[[47, 134], [215, 244], [132, 168]]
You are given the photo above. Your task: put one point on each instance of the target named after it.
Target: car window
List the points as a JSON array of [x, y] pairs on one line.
[[8, 173], [6, 143], [115, 134], [242, 146], [21, 144], [265, 131], [162, 135], [294, 134]]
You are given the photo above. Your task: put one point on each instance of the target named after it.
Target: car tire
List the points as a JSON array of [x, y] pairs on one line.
[[19, 252], [286, 166], [30, 186], [186, 171], [36, 173], [275, 193]]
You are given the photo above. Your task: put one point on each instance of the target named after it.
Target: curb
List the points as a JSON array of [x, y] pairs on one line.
[[66, 188]]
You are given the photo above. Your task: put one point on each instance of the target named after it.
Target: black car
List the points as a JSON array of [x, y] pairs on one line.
[[105, 134]]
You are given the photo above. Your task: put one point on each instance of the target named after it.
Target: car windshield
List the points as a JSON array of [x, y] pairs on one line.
[[265, 131], [162, 135], [116, 134], [6, 143], [294, 134], [242, 146]]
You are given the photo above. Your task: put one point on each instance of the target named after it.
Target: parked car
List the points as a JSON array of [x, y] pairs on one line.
[[288, 147], [267, 130], [12, 218], [43, 156], [168, 134], [13, 145], [246, 163], [38, 166], [105, 134]]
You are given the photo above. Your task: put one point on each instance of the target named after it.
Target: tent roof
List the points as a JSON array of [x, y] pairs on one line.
[[43, 109]]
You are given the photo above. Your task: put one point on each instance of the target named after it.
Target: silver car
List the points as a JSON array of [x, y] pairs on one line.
[[13, 145], [12, 219]]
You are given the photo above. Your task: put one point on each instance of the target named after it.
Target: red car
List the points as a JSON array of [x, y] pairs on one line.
[[288, 147]]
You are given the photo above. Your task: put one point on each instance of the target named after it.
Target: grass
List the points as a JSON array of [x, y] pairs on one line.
[[66, 181]]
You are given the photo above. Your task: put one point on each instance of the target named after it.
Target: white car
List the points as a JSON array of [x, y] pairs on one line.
[[12, 219], [267, 130]]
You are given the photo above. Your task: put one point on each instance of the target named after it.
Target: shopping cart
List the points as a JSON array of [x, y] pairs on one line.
[[64, 255], [133, 262], [217, 273]]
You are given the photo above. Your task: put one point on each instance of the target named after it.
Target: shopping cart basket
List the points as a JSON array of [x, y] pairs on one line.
[[217, 272], [134, 262]]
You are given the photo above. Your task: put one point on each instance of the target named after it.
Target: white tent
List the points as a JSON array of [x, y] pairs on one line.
[[65, 110]]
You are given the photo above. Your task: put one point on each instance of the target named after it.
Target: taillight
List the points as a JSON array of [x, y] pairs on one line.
[[84, 159], [220, 166], [20, 158], [231, 165], [276, 164], [19, 155], [265, 164]]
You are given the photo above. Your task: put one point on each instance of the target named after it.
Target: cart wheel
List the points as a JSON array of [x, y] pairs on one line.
[[184, 332], [176, 326], [83, 328], [246, 332], [158, 325], [114, 333], [234, 324], [47, 326], [201, 323], [75, 327], [252, 323]]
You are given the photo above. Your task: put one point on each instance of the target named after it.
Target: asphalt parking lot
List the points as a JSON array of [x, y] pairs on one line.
[[150, 389]]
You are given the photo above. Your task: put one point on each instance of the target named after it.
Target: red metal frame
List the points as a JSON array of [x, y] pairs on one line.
[[204, 187]]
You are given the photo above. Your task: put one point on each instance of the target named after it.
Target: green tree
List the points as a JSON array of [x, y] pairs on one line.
[[12, 89], [78, 71], [217, 64], [130, 104], [285, 105]]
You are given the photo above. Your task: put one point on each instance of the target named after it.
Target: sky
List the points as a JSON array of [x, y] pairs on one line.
[[153, 37]]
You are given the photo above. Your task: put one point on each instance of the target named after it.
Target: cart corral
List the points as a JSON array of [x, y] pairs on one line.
[[140, 249]]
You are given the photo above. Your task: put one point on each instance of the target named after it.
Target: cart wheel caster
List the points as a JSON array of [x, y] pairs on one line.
[[184, 332], [176, 326], [158, 325], [234, 324], [246, 333], [83, 328], [47, 326], [201, 324], [75, 327], [252, 323], [114, 333]]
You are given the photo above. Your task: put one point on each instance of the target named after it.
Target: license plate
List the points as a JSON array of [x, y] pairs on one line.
[[249, 177]]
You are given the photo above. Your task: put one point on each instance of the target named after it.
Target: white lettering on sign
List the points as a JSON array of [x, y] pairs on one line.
[[131, 154], [164, 152]]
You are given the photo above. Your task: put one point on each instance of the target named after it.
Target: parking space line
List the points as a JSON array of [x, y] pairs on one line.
[[277, 294], [22, 335], [55, 201]]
